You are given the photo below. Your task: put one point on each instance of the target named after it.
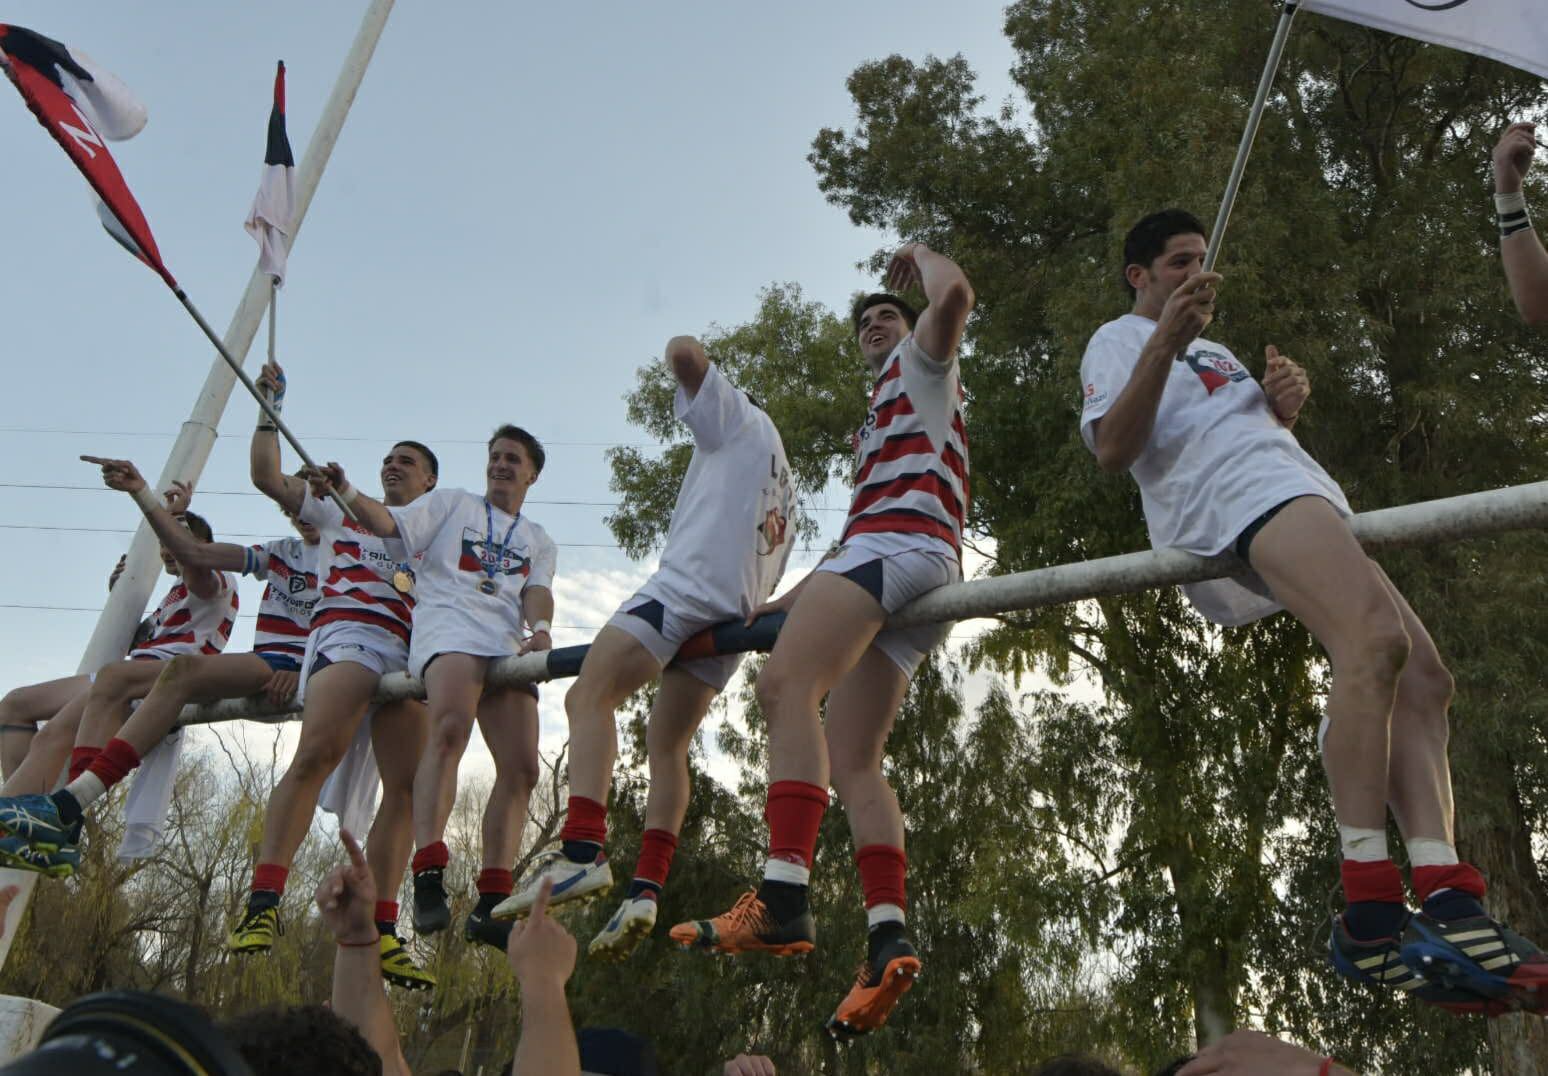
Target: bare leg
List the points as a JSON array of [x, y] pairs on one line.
[[616, 666], [509, 721], [861, 710], [829, 628], [107, 703], [180, 681], [1312, 563], [453, 683], [1419, 777], [398, 734], [50, 753], [29, 706], [336, 700], [681, 703]]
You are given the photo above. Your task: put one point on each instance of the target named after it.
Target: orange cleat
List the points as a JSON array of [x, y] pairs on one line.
[[748, 928], [879, 983]]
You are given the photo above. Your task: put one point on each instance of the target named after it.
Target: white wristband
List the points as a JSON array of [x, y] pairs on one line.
[[1513, 202], [540, 625], [145, 499], [348, 494]]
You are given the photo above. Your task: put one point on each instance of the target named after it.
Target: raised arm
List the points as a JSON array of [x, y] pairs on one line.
[[346, 900], [947, 291], [1521, 251], [264, 457], [1120, 435], [542, 954], [200, 561], [373, 514], [689, 364]]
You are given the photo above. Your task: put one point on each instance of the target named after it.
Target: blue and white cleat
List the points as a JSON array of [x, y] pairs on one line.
[[630, 924], [59, 861], [35, 819], [572, 882], [1481, 955]]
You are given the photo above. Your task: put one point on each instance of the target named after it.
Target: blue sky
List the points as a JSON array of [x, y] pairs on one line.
[[525, 204]]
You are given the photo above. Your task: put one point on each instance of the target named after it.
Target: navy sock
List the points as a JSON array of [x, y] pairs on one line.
[[487, 901], [582, 851], [385, 928], [642, 888], [259, 899], [68, 806], [1452, 904], [1368, 920], [784, 900]]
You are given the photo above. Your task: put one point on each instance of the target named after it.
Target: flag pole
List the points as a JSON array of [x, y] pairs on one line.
[[273, 307], [1254, 118], [263, 401]]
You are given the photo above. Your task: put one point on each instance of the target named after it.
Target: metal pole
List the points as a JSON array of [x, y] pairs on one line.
[[1254, 118], [126, 602], [1471, 515]]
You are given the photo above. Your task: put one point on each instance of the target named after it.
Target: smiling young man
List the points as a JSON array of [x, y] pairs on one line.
[[360, 632], [1220, 471], [902, 539], [487, 575], [289, 567], [725, 551]]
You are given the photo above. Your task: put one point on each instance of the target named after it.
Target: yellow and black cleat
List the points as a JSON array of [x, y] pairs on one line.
[[398, 966]]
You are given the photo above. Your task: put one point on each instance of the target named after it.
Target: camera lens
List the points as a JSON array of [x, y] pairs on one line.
[[124, 1032]]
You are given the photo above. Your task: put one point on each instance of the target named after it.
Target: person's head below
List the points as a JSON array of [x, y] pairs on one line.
[[1074, 1065], [300, 1040], [1159, 253], [516, 459], [199, 527], [408, 471], [881, 321]]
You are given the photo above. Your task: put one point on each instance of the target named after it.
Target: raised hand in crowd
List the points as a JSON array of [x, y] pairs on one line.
[[542, 954], [1285, 385], [749, 1065], [1521, 250], [1252, 1053], [346, 901], [1513, 157]]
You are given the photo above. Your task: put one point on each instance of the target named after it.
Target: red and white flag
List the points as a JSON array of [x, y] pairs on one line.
[[1511, 31], [81, 104], [274, 206]]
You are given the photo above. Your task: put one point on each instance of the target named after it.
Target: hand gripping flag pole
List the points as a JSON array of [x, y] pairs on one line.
[[80, 105]]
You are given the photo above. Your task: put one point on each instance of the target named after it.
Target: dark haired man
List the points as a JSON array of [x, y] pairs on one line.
[[360, 632], [1525, 260], [195, 616], [1219, 471], [487, 573], [725, 552], [902, 539], [288, 565]]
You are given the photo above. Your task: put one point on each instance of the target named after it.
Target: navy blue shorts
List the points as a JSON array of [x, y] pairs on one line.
[[282, 662]]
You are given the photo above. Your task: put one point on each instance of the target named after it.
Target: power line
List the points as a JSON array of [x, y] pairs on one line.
[[33, 430], [255, 493], [242, 534], [239, 616]]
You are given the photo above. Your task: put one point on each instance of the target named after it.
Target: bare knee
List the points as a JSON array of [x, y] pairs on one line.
[[587, 698], [1379, 652], [313, 762], [177, 673], [778, 689], [520, 775], [451, 734]]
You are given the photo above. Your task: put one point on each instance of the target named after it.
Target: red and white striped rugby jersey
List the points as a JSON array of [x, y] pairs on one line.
[[911, 456], [185, 624], [289, 568], [356, 573]]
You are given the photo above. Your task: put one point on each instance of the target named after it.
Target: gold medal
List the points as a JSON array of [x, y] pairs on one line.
[[402, 582], [488, 586]]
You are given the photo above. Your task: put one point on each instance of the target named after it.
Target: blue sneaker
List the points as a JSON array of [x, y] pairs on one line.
[[57, 862], [35, 819], [1380, 963], [1481, 955]]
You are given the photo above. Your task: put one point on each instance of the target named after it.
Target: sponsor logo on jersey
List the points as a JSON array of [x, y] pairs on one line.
[[1214, 369]]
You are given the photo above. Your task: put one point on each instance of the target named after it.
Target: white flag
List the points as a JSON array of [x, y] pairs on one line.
[[1511, 31], [274, 206]]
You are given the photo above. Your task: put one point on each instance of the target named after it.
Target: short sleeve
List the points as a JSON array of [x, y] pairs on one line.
[[421, 519], [1104, 371], [914, 356], [715, 411], [545, 559], [320, 512]]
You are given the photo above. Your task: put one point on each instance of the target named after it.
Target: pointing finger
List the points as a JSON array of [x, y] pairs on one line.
[[352, 846], [540, 906]]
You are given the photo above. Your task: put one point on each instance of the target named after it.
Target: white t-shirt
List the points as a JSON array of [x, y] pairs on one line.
[[731, 529], [451, 528], [1216, 460]]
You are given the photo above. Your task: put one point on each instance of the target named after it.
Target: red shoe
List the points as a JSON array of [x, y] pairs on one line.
[[878, 985]]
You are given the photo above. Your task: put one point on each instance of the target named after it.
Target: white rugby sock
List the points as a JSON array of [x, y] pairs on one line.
[[1363, 845], [782, 870], [883, 913], [87, 789]]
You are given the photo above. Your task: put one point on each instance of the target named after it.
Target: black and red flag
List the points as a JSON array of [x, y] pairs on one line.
[[274, 206], [81, 104]]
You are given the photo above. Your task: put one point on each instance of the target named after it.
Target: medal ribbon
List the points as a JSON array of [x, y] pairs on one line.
[[505, 543]]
